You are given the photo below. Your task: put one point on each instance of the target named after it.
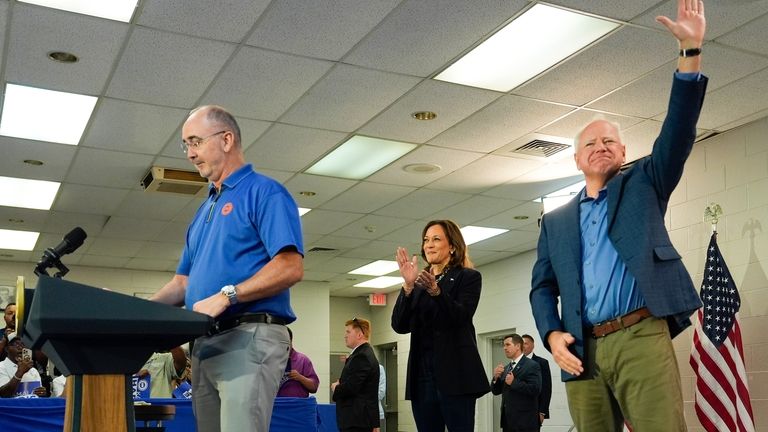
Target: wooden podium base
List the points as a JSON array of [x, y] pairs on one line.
[[98, 403]]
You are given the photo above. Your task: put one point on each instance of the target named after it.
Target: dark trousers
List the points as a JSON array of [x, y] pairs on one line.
[[434, 411]]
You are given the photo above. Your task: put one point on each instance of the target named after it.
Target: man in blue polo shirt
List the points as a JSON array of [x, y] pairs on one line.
[[243, 252]]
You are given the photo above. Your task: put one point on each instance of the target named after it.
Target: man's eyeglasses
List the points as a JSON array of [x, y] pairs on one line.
[[196, 142]]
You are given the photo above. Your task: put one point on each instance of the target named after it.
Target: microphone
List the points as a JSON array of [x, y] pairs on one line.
[[52, 256]]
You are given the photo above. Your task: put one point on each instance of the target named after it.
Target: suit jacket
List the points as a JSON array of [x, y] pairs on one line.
[[637, 202], [546, 384], [357, 395], [458, 369], [520, 400]]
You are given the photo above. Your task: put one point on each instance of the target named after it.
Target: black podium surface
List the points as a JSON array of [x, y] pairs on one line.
[[93, 331]]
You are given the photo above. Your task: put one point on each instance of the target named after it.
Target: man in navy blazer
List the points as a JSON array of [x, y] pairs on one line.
[[545, 395], [356, 393], [608, 257], [519, 384]]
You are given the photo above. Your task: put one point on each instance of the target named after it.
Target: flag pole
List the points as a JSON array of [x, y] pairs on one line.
[[712, 215]]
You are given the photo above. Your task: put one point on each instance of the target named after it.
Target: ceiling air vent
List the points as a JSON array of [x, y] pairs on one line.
[[541, 148], [173, 180]]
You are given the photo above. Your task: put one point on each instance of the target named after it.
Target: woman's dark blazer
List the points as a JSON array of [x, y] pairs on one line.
[[458, 369]]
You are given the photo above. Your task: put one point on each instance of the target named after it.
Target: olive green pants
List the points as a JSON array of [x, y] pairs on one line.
[[631, 374]]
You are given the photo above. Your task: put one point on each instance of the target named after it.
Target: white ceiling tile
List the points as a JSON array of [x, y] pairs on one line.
[[475, 209], [485, 173], [373, 227], [639, 139], [409, 236], [325, 222], [734, 101], [421, 203], [16, 256], [160, 250], [165, 69], [186, 215], [103, 261], [228, 20], [76, 198], [129, 126], [250, 131], [108, 168], [529, 209], [243, 89], [318, 29], [618, 9], [63, 222], [366, 197], [344, 264], [499, 123], [411, 41], [507, 241], [291, 148], [337, 102], [451, 102], [149, 264], [22, 219], [448, 160], [174, 232], [3, 18], [751, 36], [341, 243], [180, 163], [153, 205], [281, 176], [722, 16], [36, 31], [325, 188], [568, 81], [115, 247], [524, 189], [572, 124], [132, 229], [56, 159], [377, 249]]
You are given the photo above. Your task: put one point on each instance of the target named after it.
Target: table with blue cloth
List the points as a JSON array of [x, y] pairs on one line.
[[47, 414]]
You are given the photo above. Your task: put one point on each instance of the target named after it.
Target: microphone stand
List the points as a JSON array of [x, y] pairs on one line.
[[51, 260]]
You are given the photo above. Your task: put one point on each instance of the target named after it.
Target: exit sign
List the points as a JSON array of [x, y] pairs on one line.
[[377, 299]]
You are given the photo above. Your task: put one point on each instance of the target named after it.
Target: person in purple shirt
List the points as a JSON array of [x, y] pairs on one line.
[[300, 378]]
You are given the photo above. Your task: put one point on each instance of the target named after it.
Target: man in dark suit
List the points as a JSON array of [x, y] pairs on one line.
[[546, 377], [356, 393], [607, 255], [519, 384]]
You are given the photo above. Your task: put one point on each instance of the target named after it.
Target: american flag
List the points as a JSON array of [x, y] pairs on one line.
[[717, 357]]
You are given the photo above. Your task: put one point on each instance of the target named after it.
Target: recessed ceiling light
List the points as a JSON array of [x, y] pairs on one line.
[[474, 234], [307, 193], [45, 115], [359, 157], [424, 115], [62, 57], [422, 168], [520, 217], [33, 162], [18, 240], [118, 10], [33, 194], [532, 43], [381, 282], [303, 211], [376, 268]]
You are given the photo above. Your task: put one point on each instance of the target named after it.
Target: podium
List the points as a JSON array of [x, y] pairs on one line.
[[100, 338]]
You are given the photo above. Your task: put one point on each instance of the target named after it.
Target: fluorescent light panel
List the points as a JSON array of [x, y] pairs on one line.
[[118, 10], [18, 240], [376, 268], [360, 157], [45, 115], [474, 234], [535, 41], [558, 198], [303, 211], [381, 282], [32, 194]]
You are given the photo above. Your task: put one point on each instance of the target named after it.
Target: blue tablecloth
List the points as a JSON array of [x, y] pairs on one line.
[[43, 415]]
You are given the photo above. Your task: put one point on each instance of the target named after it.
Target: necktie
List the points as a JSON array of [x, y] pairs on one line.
[[511, 366]]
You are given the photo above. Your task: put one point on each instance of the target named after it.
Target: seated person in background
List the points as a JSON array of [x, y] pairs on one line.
[[163, 368], [10, 326], [300, 378], [18, 377]]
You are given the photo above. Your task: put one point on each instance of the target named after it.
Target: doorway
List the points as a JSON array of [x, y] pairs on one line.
[[387, 355], [493, 345]]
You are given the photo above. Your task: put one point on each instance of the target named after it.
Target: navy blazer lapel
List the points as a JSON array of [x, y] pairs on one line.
[[614, 197]]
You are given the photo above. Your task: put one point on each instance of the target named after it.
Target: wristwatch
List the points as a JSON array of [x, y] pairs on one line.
[[231, 292]]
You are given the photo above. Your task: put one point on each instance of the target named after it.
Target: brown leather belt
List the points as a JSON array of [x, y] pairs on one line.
[[628, 320]]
